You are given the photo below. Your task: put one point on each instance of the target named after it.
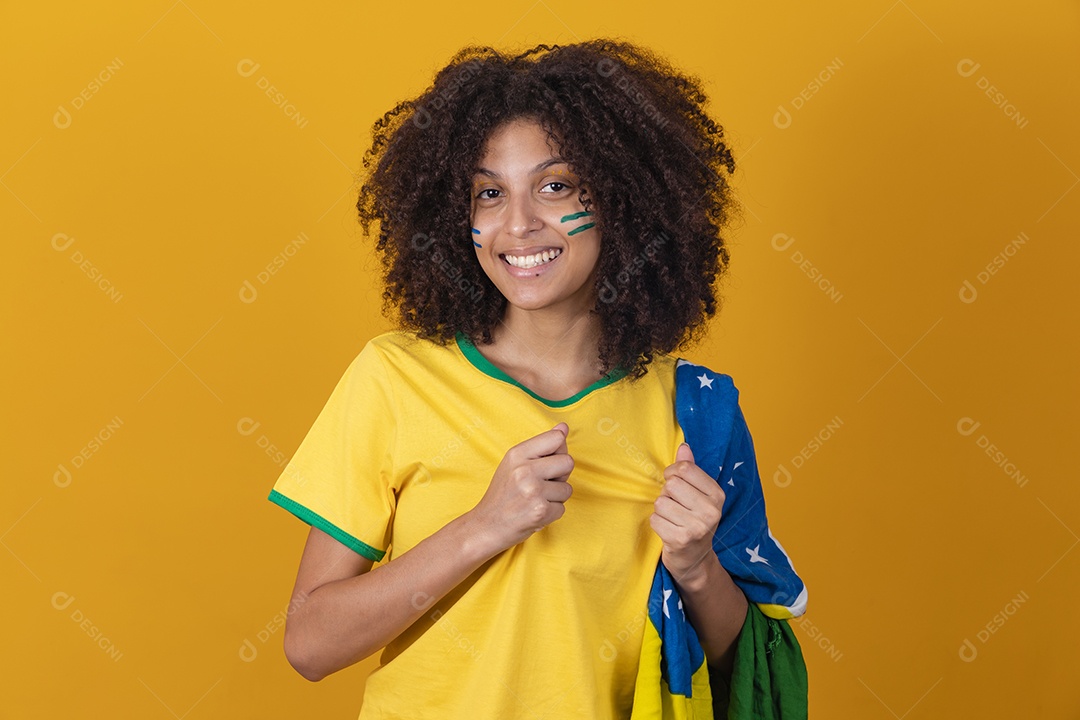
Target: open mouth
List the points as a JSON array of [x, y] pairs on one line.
[[526, 262]]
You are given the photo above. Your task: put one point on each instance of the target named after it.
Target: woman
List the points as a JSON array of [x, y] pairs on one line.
[[550, 226]]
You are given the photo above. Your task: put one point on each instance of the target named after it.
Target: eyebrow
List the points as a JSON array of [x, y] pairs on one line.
[[546, 164]]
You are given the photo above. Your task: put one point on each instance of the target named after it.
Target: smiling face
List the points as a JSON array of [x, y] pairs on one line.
[[531, 234]]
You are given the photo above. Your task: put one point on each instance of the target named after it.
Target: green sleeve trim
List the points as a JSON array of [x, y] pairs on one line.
[[316, 520], [481, 363]]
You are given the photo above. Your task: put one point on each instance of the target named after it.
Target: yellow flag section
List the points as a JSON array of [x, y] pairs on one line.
[[653, 699]]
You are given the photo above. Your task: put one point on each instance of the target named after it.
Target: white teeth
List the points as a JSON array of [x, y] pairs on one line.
[[531, 261]]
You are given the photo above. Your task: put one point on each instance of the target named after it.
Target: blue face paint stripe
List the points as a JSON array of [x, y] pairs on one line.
[[476, 232]]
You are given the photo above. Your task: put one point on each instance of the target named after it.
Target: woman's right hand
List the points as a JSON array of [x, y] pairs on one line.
[[528, 489]]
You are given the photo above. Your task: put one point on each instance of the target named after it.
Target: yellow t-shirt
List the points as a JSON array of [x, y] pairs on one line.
[[551, 627]]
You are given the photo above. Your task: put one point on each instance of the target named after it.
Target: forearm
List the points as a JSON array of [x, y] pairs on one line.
[[717, 608], [345, 621]]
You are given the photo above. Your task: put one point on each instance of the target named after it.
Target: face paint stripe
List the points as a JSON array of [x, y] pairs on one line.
[[583, 228], [476, 232], [575, 216]]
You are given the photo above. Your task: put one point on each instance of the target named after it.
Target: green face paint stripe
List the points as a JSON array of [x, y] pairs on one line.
[[575, 216], [583, 228]]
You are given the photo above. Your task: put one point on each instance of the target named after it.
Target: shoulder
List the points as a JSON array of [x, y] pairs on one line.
[[402, 341], [663, 362], [404, 352], [689, 373]]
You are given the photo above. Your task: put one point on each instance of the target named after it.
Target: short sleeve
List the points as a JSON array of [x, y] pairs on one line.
[[340, 479]]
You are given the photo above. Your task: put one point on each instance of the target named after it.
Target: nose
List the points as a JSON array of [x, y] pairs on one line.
[[523, 218]]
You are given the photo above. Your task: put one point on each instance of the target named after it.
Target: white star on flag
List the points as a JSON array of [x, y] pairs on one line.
[[731, 480], [706, 381], [755, 556]]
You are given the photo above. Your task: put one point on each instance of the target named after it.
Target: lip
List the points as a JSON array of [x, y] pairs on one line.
[[533, 271]]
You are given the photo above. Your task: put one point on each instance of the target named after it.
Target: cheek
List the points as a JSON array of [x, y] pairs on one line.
[[575, 224], [482, 229], [487, 219]]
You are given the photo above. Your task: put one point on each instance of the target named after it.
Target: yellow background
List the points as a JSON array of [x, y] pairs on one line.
[[179, 181]]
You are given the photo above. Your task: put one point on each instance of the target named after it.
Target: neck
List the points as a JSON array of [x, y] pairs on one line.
[[566, 344]]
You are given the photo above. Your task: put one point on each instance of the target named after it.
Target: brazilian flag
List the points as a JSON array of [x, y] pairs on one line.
[[769, 678]]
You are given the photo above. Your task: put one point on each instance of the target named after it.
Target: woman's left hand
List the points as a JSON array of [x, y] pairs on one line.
[[687, 513]]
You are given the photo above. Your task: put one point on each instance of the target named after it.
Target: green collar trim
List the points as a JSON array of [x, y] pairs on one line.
[[488, 368]]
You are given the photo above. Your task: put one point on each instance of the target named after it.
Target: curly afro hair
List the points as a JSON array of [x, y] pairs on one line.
[[631, 127]]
